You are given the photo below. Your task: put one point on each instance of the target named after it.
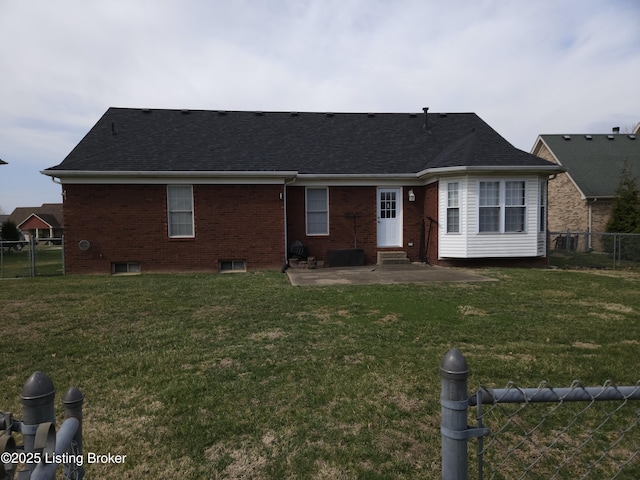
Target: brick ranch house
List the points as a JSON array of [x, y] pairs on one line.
[[581, 199], [41, 223], [192, 190]]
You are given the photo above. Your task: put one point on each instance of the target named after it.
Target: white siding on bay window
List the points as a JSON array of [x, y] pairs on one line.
[[452, 244], [470, 243]]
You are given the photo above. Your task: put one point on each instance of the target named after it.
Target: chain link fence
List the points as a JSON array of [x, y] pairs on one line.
[[571, 249], [559, 433], [31, 258], [537, 433]]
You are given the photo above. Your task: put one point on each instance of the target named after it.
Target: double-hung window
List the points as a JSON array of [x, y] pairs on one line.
[[502, 206], [489, 212], [542, 225], [453, 208], [180, 211], [317, 211], [515, 207]]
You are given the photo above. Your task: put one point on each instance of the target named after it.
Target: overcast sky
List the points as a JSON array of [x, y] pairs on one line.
[[525, 67]]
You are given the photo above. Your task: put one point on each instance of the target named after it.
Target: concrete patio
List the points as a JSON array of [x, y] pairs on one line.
[[382, 274]]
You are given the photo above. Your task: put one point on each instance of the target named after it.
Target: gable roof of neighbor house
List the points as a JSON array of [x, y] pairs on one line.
[[300, 143], [2, 162], [49, 213], [594, 162]]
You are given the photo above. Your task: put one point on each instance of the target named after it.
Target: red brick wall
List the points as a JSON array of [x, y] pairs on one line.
[[128, 223], [344, 202], [343, 234]]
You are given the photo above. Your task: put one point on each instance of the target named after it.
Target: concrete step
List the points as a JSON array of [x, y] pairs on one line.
[[392, 258], [309, 263]]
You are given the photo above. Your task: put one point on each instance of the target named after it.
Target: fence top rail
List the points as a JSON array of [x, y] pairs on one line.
[[545, 393], [595, 234]]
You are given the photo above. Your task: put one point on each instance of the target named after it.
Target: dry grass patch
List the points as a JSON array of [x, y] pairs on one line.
[[470, 310], [358, 358], [585, 345], [268, 335], [328, 471], [246, 462], [389, 318]]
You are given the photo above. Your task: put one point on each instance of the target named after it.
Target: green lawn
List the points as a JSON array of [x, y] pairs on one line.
[[245, 376]]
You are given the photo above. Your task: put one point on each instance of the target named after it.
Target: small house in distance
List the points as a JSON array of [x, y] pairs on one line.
[[40, 223], [211, 190]]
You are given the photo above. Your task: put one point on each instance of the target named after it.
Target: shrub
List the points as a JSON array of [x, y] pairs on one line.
[[9, 232], [625, 218]]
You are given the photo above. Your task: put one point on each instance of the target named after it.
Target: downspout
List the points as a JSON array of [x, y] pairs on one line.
[[286, 228], [589, 222]]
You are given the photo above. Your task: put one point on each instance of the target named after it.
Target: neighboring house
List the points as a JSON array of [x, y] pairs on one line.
[[193, 190], [41, 223], [581, 199], [2, 162]]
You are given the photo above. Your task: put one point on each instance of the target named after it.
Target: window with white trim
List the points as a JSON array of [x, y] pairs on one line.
[[502, 206], [317, 210], [180, 211], [489, 202], [515, 206], [453, 207]]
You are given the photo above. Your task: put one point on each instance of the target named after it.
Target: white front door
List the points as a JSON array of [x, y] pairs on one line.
[[389, 217]]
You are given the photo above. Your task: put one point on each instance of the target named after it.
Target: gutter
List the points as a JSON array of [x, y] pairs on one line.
[[96, 177], [360, 179], [489, 169], [589, 226], [286, 228]]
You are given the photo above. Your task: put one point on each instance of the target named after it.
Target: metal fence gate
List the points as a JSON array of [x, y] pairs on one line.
[[543, 432], [42, 257]]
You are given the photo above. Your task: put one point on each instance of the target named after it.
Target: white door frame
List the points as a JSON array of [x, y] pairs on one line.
[[389, 213]]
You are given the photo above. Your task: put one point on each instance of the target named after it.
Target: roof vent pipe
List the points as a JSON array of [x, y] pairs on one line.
[[426, 124]]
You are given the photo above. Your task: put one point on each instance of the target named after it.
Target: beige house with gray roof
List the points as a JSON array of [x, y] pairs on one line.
[[581, 199]]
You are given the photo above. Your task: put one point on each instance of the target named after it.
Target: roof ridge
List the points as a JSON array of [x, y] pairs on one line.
[[286, 112]]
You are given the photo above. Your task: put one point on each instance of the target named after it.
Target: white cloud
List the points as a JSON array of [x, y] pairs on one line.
[[525, 67]]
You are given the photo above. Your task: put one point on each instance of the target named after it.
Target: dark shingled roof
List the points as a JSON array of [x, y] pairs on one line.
[[143, 140], [51, 213], [595, 162]]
